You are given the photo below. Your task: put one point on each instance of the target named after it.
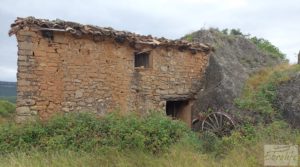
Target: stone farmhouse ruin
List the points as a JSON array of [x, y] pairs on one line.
[[68, 67]]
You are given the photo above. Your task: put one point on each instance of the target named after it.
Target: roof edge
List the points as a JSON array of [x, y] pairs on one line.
[[78, 30]]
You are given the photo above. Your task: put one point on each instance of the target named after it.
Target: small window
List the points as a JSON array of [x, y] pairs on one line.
[[142, 59]]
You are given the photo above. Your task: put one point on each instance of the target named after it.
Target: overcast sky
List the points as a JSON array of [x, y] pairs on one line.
[[278, 21]]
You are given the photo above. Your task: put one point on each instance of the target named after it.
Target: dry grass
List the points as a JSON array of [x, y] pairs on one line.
[[178, 156], [264, 75]]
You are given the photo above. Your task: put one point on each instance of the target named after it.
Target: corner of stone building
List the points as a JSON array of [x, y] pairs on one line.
[[26, 80]]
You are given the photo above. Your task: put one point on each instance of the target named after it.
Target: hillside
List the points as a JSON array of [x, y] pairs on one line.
[[8, 88], [8, 91]]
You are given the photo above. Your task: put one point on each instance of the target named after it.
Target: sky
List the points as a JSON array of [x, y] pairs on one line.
[[277, 21]]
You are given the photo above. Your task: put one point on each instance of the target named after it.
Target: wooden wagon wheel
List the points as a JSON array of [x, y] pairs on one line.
[[219, 123]]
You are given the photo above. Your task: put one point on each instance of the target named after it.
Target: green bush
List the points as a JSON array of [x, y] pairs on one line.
[[189, 37], [6, 108], [236, 32], [267, 47], [153, 133]]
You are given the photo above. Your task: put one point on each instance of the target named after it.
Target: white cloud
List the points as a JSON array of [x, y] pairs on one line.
[[8, 74]]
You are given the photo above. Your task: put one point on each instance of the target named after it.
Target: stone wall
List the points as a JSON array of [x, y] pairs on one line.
[[58, 72]]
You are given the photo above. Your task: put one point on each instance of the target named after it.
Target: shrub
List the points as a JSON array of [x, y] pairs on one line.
[[236, 32], [153, 133], [267, 47], [6, 108], [189, 37]]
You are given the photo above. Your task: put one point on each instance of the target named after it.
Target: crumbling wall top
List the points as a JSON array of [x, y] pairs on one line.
[[98, 33]]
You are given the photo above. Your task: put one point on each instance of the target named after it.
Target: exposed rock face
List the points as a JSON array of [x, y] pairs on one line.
[[288, 100], [233, 60]]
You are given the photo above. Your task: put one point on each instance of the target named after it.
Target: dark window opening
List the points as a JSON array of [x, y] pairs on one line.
[[47, 34], [142, 60]]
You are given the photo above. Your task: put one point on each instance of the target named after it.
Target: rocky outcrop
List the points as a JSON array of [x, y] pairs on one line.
[[230, 65], [288, 100]]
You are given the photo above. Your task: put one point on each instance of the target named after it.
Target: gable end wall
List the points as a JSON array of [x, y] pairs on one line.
[[66, 74]]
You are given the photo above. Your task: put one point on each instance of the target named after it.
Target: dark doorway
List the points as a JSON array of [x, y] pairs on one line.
[[179, 110]]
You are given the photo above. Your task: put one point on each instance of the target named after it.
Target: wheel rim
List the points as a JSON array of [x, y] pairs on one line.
[[219, 123]]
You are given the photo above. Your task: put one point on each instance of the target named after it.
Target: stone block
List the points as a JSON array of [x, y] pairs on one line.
[[81, 103], [25, 45], [89, 100], [26, 33], [65, 109], [23, 83], [26, 102], [25, 110], [22, 57], [79, 93], [25, 52], [23, 63], [164, 68], [24, 38]]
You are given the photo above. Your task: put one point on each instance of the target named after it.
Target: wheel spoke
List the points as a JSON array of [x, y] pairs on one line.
[[206, 122], [212, 121], [221, 120], [216, 120]]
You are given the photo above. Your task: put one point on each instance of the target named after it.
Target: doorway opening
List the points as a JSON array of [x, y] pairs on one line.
[[180, 110]]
